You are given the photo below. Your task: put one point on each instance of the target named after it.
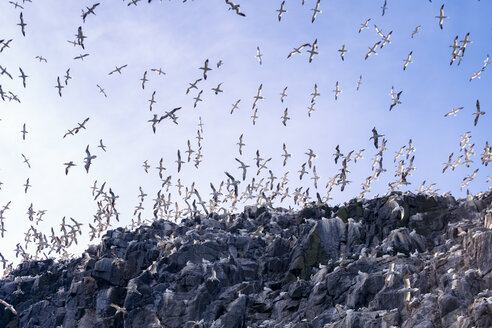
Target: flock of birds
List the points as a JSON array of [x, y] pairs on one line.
[[266, 190]]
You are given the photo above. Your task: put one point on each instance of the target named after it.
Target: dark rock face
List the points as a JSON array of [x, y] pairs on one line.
[[399, 261]]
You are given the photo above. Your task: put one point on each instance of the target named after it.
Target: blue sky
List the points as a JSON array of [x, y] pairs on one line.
[[178, 37]]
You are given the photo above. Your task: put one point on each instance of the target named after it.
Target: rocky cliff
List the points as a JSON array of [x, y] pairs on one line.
[[403, 260]]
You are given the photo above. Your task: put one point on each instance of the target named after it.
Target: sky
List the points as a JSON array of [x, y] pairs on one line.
[[178, 37]]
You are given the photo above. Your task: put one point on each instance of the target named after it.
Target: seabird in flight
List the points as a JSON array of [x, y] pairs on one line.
[[298, 50], [192, 86], [152, 100], [160, 167], [41, 58], [408, 60], [26, 161], [396, 99], [316, 93], [240, 144], [375, 136], [154, 121], [119, 309], [378, 31], [338, 154], [233, 182], [26, 185], [69, 165], [235, 7], [259, 55], [337, 91], [101, 90], [89, 11], [313, 51], [311, 155], [67, 76], [146, 166], [80, 37], [342, 52], [415, 31], [364, 26], [281, 10], [88, 159], [477, 113], [189, 151], [16, 5], [159, 71], [4, 71], [197, 98], [315, 177], [449, 163], [235, 105], [118, 69], [81, 57], [5, 45], [386, 39], [59, 86], [283, 94], [24, 131], [285, 117], [242, 167], [441, 16], [302, 171], [179, 161], [358, 155], [103, 147], [22, 24], [286, 154], [144, 79], [258, 96], [205, 69], [453, 112], [23, 77], [372, 50], [258, 158], [311, 109], [384, 7], [476, 74], [316, 10], [263, 166], [217, 89]]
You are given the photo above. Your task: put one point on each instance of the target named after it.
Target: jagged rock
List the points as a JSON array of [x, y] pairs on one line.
[[235, 315], [320, 267], [479, 246]]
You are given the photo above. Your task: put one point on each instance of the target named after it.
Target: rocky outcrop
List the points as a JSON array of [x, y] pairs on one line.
[[403, 260]]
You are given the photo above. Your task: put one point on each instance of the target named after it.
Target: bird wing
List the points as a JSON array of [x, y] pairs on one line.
[[230, 176]]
